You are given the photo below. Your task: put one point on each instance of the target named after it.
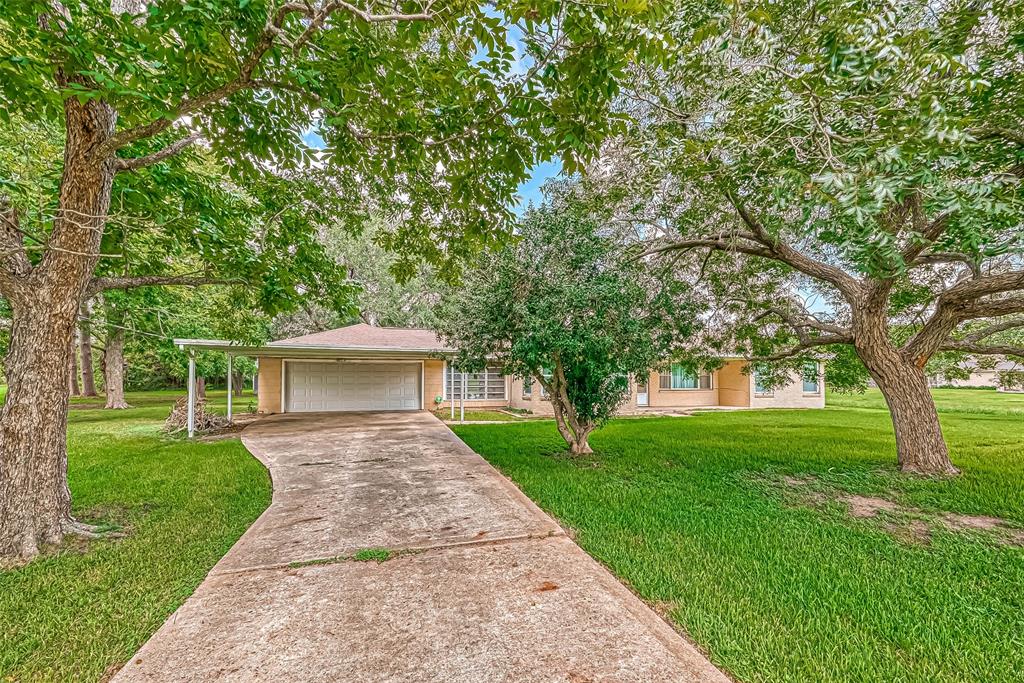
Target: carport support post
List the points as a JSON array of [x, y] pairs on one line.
[[191, 393], [462, 400], [451, 388], [230, 373]]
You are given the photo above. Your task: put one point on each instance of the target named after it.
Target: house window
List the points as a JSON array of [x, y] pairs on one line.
[[527, 387], [761, 388], [811, 385], [678, 377], [546, 373], [488, 385]]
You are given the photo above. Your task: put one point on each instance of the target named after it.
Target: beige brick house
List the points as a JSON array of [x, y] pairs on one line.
[[360, 367]]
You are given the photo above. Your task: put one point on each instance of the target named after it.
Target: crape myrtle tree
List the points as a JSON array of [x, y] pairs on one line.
[[570, 307], [420, 104], [868, 153]]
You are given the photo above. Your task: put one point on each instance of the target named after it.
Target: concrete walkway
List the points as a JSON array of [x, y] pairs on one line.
[[483, 587]]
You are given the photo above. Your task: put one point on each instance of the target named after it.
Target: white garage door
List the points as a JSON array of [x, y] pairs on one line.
[[352, 386]]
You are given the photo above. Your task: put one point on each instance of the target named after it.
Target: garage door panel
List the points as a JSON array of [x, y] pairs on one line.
[[352, 386]]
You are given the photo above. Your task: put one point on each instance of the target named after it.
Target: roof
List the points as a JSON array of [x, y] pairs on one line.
[[354, 341], [364, 336]]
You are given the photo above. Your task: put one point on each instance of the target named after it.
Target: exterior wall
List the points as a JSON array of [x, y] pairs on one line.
[[790, 396], [433, 382], [734, 386], [269, 386], [533, 403], [680, 398]]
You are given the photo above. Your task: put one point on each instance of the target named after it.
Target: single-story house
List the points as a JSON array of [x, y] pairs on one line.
[[982, 376], [360, 367]]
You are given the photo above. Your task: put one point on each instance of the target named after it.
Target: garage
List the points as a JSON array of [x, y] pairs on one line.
[[312, 386]]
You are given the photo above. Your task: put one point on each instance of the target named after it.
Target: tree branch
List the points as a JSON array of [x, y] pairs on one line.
[[780, 251], [995, 328], [101, 284], [131, 164], [805, 345], [983, 349], [273, 32]]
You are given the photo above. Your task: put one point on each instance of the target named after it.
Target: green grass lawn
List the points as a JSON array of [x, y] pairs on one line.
[[478, 415], [81, 612], [695, 515]]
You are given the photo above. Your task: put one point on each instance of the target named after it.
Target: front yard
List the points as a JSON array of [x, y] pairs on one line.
[[75, 614], [786, 545]]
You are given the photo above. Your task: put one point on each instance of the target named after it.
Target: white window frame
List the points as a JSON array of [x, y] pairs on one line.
[[668, 373], [817, 379], [459, 376]]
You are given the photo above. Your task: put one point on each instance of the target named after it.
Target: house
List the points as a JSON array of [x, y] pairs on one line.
[[360, 367], [998, 376]]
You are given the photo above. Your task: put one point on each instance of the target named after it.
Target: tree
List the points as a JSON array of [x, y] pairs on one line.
[[421, 111], [385, 296], [570, 307], [868, 152]]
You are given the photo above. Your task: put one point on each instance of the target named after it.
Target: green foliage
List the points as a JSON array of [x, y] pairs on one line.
[[571, 294], [880, 139], [429, 119]]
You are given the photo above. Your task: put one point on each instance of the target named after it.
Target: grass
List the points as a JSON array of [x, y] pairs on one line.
[[83, 610], [477, 415], [688, 511]]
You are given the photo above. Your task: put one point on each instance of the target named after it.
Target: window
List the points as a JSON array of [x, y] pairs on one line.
[[760, 386], [678, 377], [488, 385], [546, 372], [527, 387], [811, 385]]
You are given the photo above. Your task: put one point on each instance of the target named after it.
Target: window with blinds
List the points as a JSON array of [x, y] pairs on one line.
[[488, 385], [678, 377]]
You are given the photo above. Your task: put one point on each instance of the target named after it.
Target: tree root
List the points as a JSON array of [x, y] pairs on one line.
[[72, 527]]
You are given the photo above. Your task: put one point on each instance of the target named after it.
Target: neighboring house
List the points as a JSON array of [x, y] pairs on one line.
[[360, 367], [982, 376]]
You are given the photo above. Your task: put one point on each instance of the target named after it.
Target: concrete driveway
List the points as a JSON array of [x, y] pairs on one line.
[[482, 585]]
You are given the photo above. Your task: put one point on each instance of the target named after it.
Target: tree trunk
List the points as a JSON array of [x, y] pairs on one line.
[[85, 351], [35, 502], [113, 370], [920, 446], [238, 383], [200, 388], [572, 430], [73, 388]]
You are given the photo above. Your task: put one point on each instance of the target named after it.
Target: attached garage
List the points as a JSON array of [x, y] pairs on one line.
[[314, 386]]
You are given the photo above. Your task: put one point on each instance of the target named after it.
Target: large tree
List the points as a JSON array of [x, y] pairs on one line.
[[869, 152], [422, 112], [570, 307]]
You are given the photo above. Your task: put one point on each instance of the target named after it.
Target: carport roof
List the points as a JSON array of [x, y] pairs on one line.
[[351, 341]]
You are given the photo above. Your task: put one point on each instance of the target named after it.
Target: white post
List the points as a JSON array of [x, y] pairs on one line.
[[191, 393], [451, 388], [230, 373], [462, 400]]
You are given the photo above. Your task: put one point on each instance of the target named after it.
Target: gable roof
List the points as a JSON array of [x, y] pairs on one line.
[[362, 336]]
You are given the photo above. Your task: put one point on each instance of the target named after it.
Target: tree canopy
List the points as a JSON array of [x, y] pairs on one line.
[[571, 307], [869, 153]]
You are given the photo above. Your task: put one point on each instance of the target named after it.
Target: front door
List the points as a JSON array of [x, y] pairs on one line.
[[641, 394]]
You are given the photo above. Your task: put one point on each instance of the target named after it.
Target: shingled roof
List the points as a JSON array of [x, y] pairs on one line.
[[362, 336]]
